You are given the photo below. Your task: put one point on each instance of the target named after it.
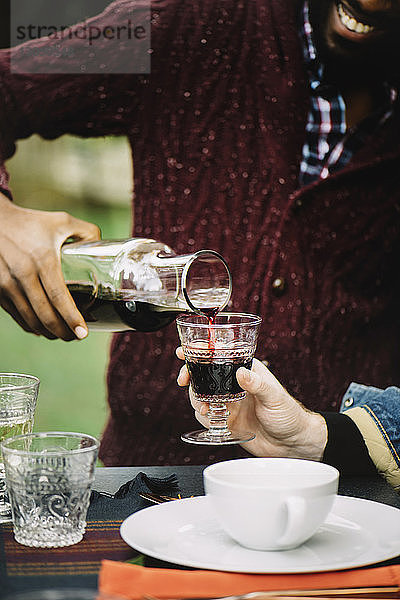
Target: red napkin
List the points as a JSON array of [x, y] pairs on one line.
[[135, 582]]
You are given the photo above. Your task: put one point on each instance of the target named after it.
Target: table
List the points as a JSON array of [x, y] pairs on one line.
[[26, 568]]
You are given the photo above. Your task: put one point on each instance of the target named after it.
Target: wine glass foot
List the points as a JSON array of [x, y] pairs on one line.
[[204, 437]]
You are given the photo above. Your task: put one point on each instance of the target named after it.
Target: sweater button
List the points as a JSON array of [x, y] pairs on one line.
[[279, 286], [297, 205]]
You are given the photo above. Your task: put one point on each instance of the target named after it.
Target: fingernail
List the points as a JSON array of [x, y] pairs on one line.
[[246, 374], [80, 332]]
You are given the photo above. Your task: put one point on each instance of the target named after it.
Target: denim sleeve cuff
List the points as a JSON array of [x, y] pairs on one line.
[[345, 448], [377, 445]]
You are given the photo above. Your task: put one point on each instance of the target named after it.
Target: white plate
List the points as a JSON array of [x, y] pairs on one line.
[[185, 532]]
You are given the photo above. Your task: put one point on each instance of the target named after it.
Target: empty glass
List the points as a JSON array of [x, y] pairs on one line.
[[49, 477], [214, 350], [18, 397]]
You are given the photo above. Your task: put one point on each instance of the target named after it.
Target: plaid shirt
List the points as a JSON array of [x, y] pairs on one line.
[[329, 145]]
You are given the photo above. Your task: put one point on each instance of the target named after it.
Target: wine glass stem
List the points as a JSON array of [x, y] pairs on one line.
[[218, 417]]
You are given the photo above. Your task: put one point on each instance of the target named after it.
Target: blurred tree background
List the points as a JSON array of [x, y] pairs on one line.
[[91, 179]]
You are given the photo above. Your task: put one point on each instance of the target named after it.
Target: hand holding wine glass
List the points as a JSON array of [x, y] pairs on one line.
[[215, 347], [283, 427]]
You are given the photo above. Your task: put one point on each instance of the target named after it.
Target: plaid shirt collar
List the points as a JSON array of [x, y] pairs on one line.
[[329, 145], [314, 67]]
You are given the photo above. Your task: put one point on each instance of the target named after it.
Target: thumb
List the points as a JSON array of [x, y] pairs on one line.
[[250, 381], [72, 229], [259, 381], [85, 231]]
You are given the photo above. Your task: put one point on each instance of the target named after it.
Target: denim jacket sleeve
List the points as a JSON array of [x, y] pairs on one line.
[[376, 413]]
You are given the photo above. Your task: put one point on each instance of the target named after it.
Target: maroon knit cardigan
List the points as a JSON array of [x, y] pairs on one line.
[[216, 132]]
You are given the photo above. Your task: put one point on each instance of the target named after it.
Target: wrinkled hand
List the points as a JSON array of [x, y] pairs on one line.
[[32, 287], [282, 425]]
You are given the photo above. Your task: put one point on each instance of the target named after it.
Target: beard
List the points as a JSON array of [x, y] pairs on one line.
[[348, 61]]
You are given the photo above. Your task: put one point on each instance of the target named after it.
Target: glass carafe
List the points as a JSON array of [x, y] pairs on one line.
[[141, 284]]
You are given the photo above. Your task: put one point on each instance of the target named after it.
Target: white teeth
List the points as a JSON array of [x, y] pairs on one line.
[[351, 23]]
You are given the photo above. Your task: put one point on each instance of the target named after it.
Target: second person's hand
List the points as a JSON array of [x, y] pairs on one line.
[[32, 287], [283, 426]]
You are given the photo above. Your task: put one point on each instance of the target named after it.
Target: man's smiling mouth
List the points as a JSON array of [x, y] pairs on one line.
[[349, 21]]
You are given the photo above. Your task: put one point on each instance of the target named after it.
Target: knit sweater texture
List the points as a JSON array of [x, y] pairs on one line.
[[216, 131]]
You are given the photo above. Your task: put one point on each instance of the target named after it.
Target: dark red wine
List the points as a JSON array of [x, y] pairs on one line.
[[113, 314], [211, 314], [216, 378]]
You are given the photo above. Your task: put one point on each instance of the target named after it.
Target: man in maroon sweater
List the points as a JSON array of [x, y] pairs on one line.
[[268, 131]]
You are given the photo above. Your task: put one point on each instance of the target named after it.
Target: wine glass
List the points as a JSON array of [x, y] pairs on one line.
[[214, 349]]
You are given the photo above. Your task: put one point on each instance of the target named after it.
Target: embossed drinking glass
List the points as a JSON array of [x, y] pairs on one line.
[[49, 477], [18, 397], [214, 350]]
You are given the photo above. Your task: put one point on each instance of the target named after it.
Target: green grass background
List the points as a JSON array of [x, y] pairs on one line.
[[72, 392]]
